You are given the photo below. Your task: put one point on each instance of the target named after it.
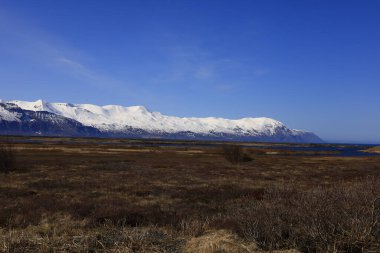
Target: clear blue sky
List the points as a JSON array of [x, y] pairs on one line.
[[312, 64]]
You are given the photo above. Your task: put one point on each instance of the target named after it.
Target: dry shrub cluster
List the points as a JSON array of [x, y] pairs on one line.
[[218, 241], [63, 234], [7, 158], [342, 218], [235, 154]]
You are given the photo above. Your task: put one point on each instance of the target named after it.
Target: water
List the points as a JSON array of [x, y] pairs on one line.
[[346, 151]]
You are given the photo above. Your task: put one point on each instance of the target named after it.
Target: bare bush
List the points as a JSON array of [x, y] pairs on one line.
[[193, 227], [235, 154], [7, 159], [342, 218], [64, 234]]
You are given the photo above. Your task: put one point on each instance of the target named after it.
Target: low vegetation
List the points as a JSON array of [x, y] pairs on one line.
[[235, 154], [373, 150], [81, 197], [7, 159], [341, 218]]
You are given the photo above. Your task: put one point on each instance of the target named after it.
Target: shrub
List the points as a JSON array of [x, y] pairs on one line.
[[341, 218], [7, 160], [235, 154]]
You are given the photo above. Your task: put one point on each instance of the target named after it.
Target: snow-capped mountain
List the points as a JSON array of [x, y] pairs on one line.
[[137, 121], [16, 121]]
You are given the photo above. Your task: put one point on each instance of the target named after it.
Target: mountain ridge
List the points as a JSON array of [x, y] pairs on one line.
[[138, 121]]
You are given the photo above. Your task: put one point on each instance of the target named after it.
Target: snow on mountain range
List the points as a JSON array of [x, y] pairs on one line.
[[137, 121]]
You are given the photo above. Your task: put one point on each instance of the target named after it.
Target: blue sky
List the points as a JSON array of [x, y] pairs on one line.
[[312, 64]]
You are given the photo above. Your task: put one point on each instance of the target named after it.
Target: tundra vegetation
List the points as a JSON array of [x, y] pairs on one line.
[[85, 195], [7, 159]]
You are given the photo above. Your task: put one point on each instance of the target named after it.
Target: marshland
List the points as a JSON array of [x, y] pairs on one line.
[[119, 195]]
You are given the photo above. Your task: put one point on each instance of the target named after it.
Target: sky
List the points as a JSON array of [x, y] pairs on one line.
[[311, 64]]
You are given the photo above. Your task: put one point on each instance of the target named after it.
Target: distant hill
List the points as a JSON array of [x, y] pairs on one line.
[[65, 119]]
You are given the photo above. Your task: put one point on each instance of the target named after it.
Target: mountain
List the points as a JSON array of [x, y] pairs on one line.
[[14, 120], [67, 119]]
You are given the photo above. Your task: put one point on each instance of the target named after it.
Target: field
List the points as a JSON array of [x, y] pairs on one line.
[[373, 150], [93, 195]]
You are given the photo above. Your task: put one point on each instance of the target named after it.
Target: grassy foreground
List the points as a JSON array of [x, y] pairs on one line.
[[83, 196]]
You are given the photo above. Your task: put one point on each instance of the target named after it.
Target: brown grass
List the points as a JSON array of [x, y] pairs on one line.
[[373, 150], [218, 241], [119, 198], [344, 218], [7, 159], [235, 154]]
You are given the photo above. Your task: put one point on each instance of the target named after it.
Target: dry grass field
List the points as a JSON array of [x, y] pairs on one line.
[[373, 150], [82, 195]]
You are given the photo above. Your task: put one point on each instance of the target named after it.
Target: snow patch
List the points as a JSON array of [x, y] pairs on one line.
[[9, 116]]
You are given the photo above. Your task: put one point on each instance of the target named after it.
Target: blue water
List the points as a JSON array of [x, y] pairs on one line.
[[338, 150]]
